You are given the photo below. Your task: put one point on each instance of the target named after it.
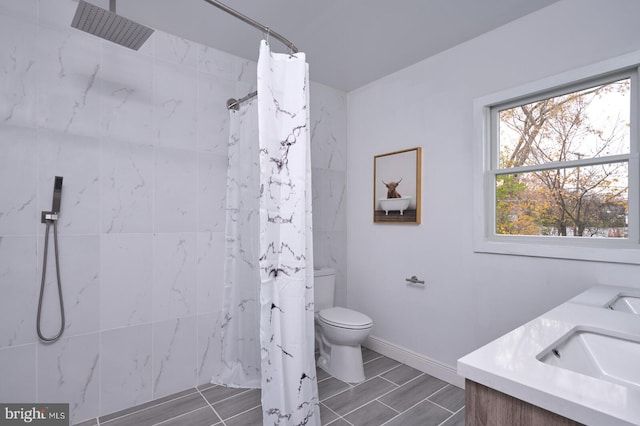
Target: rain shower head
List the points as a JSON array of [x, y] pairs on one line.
[[109, 26]]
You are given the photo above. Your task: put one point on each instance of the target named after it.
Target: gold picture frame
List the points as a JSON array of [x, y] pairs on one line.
[[396, 186]]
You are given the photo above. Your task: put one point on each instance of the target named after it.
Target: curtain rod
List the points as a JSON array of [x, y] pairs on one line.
[[233, 103], [254, 24]]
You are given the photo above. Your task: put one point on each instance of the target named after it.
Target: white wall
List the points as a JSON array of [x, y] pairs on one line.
[[469, 298], [141, 141]]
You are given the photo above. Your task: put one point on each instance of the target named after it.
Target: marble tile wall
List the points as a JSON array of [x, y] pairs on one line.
[[140, 139]]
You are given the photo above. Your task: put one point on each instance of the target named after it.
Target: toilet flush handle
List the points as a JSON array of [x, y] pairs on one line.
[[414, 280]]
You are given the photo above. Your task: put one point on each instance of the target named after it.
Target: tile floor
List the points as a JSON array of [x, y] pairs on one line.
[[393, 395]]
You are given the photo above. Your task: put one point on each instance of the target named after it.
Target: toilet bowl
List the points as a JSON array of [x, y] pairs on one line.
[[339, 333]]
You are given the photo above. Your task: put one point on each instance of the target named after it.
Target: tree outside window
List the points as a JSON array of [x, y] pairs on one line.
[[562, 166]]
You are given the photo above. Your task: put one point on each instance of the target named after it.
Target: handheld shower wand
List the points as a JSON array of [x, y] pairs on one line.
[[57, 194], [51, 218]]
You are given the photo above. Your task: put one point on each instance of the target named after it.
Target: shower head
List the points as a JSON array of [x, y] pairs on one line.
[[109, 26]]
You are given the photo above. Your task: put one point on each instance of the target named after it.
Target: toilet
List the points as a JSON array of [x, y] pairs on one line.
[[339, 331]]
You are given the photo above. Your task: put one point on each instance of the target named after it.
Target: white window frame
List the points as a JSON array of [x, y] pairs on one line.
[[485, 239]]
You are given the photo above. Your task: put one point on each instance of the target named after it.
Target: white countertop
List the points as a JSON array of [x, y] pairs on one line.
[[509, 363]]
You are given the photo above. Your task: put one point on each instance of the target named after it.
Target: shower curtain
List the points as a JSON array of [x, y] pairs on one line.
[[238, 364], [266, 328], [289, 387]]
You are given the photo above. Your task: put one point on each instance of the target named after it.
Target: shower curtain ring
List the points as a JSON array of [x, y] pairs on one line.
[[268, 33]]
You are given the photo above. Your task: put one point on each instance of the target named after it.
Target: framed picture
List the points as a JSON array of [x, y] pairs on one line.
[[396, 186]]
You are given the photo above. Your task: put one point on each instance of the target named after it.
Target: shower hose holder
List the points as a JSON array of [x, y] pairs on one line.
[[48, 217]]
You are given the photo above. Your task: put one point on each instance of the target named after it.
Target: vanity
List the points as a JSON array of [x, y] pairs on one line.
[[579, 363]]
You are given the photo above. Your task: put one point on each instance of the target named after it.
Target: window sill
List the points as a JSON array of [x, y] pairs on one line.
[[596, 251]]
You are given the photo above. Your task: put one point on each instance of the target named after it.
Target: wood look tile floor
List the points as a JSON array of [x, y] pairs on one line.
[[394, 394]]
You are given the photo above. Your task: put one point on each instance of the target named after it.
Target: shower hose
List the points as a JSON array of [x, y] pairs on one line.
[[44, 274]]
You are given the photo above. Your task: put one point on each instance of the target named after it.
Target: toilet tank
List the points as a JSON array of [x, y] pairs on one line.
[[324, 284]]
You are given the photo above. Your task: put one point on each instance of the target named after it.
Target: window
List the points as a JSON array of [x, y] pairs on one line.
[[562, 164], [559, 175]]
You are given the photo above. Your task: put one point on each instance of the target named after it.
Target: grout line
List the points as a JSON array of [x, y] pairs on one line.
[[451, 416], [446, 420], [438, 405], [177, 417], [372, 359], [372, 400], [334, 421], [147, 408], [392, 418], [384, 372], [228, 398], [322, 380], [412, 407], [334, 394], [433, 393], [325, 406], [388, 406], [241, 413], [442, 406], [232, 396], [393, 383], [441, 389]]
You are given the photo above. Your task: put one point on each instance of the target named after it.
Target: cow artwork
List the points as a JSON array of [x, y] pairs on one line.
[[396, 186], [391, 189]]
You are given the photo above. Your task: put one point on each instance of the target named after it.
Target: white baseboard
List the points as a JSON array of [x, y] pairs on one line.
[[420, 362]]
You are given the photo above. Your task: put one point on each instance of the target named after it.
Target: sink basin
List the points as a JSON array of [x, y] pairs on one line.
[[596, 353], [625, 303]]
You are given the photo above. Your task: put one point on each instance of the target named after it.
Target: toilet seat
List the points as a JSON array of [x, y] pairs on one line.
[[345, 318]]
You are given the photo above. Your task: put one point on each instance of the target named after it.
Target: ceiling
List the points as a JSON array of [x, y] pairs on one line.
[[348, 43]]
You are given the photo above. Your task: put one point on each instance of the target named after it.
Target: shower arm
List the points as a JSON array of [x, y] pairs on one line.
[[235, 103]]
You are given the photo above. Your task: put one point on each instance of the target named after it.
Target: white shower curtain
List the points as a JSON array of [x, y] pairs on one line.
[[238, 364], [289, 387], [266, 329]]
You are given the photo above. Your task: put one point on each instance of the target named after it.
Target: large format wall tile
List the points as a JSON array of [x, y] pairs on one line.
[[17, 72], [174, 352], [328, 128], [126, 368], [212, 190], [58, 15], [213, 116], [79, 258], [126, 288], [210, 271], [20, 287], [17, 368], [68, 372], [25, 10], [174, 279], [126, 90], [219, 64], [127, 181], [176, 188], [175, 95], [176, 49], [67, 69], [59, 155], [18, 181], [209, 346]]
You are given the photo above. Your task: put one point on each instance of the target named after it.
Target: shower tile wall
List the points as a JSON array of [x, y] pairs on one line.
[[140, 139]]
